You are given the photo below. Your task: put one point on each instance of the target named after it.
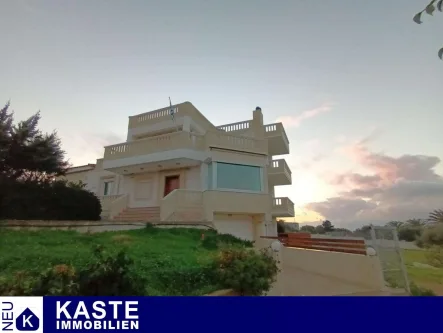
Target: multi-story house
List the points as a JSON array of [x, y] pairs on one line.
[[177, 166]]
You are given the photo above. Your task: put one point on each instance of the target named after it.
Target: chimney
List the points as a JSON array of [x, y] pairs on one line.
[[257, 121]]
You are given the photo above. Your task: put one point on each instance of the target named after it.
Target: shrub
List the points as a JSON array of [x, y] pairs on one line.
[[418, 291], [213, 241], [110, 275], [246, 271], [20, 285], [107, 275], [59, 280], [409, 233], [432, 236], [280, 227], [32, 200], [434, 256]]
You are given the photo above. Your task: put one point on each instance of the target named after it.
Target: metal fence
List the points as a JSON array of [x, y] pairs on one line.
[[385, 242]]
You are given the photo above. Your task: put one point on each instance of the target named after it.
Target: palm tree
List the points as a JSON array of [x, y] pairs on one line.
[[436, 216], [394, 224], [416, 222]]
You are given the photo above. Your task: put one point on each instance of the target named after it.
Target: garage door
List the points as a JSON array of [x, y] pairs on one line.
[[240, 226]]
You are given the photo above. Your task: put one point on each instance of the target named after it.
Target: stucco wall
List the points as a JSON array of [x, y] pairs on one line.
[[77, 176], [323, 273], [238, 225], [193, 180], [190, 178]]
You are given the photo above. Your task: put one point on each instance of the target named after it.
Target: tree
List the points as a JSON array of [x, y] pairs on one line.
[[280, 226], [30, 161], [436, 216], [430, 9], [409, 233], [415, 223], [27, 153], [364, 231], [394, 224], [319, 230], [327, 226], [308, 228]]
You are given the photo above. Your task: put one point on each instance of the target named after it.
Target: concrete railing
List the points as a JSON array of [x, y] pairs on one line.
[[106, 202], [182, 204], [185, 140], [176, 140], [193, 205], [235, 142], [275, 130], [236, 202], [283, 204], [164, 114], [324, 273], [119, 205], [280, 166], [238, 126]]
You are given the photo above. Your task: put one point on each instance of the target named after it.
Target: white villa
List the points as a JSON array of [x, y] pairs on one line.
[[177, 166]]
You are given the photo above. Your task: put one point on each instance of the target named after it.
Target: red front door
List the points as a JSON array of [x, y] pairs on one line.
[[171, 183]]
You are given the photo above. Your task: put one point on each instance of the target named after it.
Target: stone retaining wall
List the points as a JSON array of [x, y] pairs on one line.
[[94, 226]]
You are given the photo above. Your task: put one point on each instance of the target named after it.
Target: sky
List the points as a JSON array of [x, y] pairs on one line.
[[357, 85]]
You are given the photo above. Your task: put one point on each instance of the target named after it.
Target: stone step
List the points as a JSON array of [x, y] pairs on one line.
[[139, 214], [137, 218]]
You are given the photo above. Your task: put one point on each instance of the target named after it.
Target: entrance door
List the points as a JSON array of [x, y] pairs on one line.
[[141, 195], [171, 183]]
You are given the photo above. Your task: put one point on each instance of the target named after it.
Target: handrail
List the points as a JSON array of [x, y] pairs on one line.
[[186, 140], [277, 126], [118, 205], [276, 165], [179, 110], [179, 201], [107, 200], [238, 126]]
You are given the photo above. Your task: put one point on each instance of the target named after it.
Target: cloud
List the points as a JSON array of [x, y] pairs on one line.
[[295, 121], [393, 188], [83, 148]]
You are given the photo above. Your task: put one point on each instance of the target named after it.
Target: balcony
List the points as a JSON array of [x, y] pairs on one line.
[[279, 173], [241, 127], [278, 143], [176, 146], [164, 115], [190, 205], [282, 207], [236, 202], [277, 139]]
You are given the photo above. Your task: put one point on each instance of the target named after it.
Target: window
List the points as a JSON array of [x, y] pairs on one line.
[[239, 177], [107, 187], [210, 175]]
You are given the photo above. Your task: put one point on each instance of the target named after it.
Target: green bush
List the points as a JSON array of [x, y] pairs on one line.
[[59, 280], [431, 236], [110, 275], [418, 291], [58, 200], [106, 275], [246, 271], [434, 256], [213, 241], [409, 233]]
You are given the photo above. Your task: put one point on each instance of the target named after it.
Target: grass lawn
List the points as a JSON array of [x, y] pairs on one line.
[[172, 260], [423, 277]]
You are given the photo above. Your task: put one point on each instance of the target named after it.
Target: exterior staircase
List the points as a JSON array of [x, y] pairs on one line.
[[141, 214]]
